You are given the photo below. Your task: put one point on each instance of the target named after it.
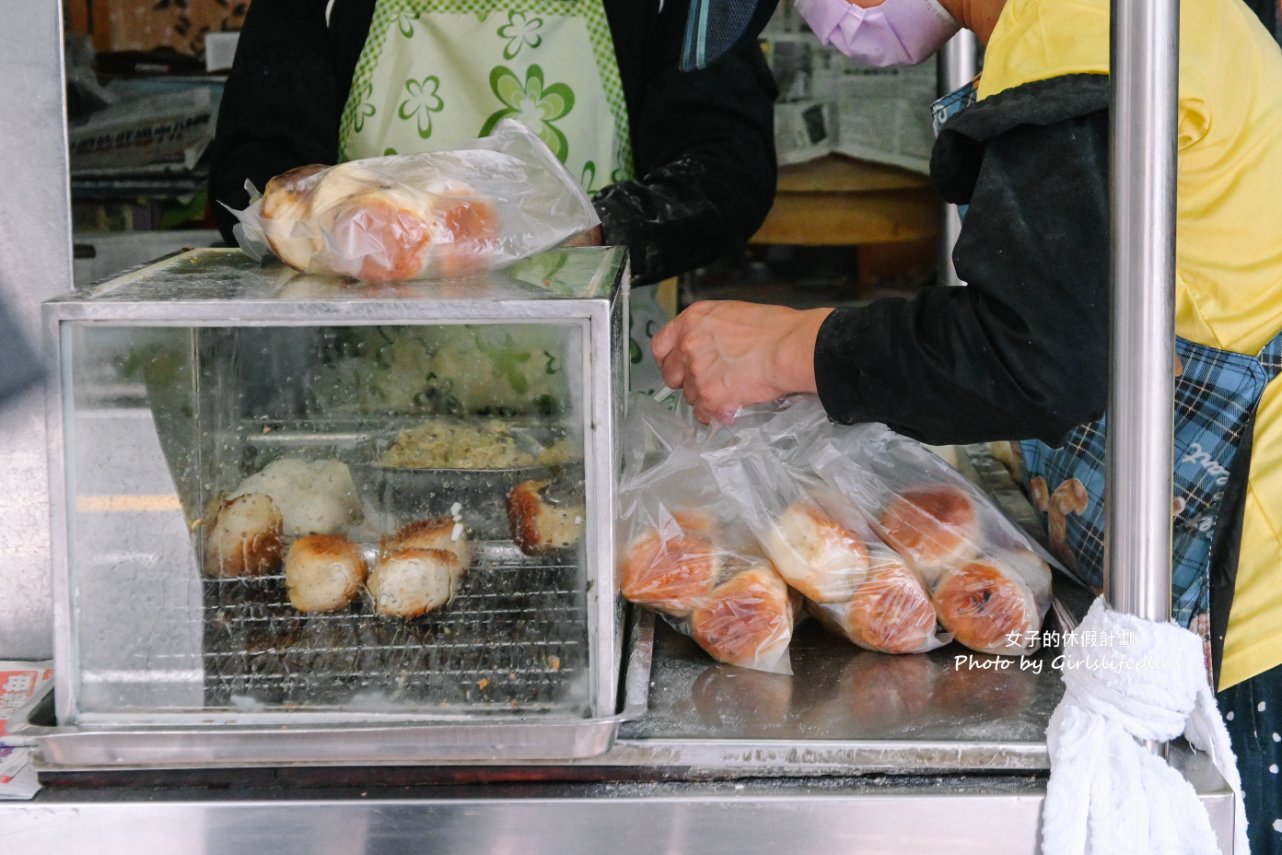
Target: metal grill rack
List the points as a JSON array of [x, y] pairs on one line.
[[514, 637]]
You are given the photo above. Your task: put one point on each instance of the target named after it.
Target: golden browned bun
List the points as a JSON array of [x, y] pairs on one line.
[[385, 234], [986, 606], [242, 536], [934, 527], [433, 533], [338, 184], [471, 226], [285, 212], [746, 621], [362, 225], [815, 554], [890, 612], [538, 526], [412, 582], [670, 568], [323, 572]]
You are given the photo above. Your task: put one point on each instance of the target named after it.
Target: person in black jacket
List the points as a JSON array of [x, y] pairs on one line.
[[702, 143]]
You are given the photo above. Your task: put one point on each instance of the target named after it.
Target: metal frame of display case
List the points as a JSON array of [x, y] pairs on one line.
[[253, 301]]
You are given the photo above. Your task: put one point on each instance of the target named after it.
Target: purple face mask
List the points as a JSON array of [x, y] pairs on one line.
[[898, 32]]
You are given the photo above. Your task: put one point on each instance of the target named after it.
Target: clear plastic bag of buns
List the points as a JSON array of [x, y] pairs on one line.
[[711, 583], [824, 549], [682, 557], [483, 206], [989, 582]]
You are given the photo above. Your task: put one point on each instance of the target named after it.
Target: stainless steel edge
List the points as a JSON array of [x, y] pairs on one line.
[[602, 609], [601, 657], [769, 758], [669, 818], [64, 647], [1142, 166], [409, 745], [206, 313]]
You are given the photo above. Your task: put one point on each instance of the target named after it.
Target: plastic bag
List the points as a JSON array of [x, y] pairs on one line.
[[683, 557], [891, 611], [481, 207], [989, 583], [822, 547], [882, 537]]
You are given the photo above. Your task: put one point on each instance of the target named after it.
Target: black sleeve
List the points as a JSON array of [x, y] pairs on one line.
[[703, 147], [281, 105], [1022, 350]]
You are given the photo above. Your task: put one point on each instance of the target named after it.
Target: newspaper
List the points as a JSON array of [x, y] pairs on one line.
[[170, 128], [20, 682], [829, 103]]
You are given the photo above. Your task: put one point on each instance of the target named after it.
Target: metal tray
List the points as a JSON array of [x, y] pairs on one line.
[[494, 740], [480, 495], [514, 638], [403, 494]]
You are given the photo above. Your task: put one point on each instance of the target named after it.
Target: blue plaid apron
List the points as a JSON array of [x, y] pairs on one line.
[[1216, 393]]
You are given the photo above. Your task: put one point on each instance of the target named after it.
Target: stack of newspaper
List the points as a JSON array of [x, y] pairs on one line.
[[829, 103]]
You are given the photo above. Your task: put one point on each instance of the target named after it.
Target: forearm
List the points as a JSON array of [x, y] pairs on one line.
[[943, 369]]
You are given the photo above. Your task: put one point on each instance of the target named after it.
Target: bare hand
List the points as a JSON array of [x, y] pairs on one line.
[[728, 354]]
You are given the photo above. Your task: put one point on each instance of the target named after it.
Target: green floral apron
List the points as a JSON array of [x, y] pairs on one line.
[[436, 73]]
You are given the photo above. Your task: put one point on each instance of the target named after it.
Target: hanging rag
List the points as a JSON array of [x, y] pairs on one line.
[[1128, 679]]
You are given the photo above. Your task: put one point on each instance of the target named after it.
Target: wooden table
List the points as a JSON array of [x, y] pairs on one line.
[[836, 201]]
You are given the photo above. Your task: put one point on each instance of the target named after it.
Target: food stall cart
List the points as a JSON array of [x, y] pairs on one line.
[[854, 751]]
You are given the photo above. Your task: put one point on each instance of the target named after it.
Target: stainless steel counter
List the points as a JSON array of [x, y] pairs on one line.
[[992, 814], [784, 817], [726, 760], [843, 711], [855, 751]]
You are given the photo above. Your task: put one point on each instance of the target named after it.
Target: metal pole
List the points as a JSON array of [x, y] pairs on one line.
[[1145, 76], [958, 63]]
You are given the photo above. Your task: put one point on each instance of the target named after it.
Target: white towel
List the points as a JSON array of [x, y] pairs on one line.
[[1107, 792]]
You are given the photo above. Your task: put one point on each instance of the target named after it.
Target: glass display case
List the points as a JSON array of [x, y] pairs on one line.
[[244, 464]]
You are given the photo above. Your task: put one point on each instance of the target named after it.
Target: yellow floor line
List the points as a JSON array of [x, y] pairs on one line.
[[115, 504]]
